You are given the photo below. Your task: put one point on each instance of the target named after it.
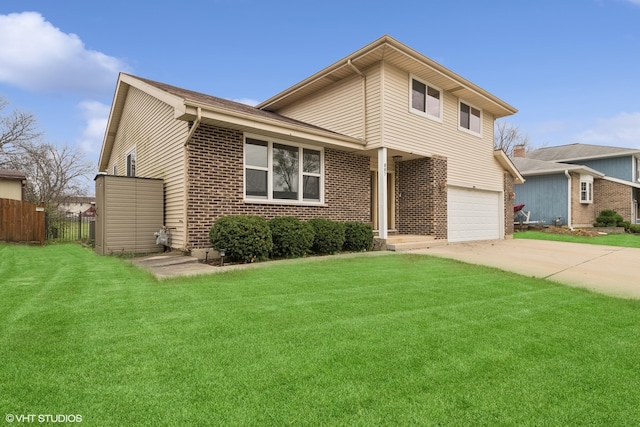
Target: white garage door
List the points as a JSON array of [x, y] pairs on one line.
[[473, 215]]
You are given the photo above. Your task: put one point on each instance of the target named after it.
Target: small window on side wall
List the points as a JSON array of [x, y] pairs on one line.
[[425, 99], [470, 118], [131, 163], [586, 189]]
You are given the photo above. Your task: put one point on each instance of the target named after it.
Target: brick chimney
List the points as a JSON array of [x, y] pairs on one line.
[[518, 151]]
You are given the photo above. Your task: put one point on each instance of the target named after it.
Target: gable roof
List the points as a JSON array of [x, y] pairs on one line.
[[508, 165], [572, 152], [532, 167], [391, 51], [190, 106]]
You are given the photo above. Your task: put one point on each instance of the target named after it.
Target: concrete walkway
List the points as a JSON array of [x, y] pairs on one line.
[[606, 269]]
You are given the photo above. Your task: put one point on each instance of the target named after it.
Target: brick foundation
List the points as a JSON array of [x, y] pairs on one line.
[[215, 183]]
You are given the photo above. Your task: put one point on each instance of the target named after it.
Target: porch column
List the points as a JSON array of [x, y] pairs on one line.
[[382, 193]]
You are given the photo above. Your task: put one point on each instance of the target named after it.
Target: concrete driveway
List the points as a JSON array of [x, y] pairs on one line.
[[607, 269]]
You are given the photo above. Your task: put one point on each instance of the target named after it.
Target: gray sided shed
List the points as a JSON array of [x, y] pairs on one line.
[[128, 213]]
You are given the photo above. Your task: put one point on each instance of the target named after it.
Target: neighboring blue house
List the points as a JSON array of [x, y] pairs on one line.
[[574, 183]]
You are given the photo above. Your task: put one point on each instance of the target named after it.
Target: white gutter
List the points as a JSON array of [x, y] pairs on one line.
[[568, 175], [245, 120], [364, 98]]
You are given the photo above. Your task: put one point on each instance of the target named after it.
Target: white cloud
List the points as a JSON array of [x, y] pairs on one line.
[[37, 56], [95, 115], [622, 130], [636, 2], [247, 101]]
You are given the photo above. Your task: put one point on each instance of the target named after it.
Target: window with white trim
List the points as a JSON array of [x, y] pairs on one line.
[[279, 171], [131, 163], [470, 118], [425, 99], [586, 189]]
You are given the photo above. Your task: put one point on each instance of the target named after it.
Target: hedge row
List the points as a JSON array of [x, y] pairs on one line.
[[248, 238]]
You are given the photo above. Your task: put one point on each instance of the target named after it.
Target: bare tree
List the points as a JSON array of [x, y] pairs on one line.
[[15, 128], [507, 136], [53, 173]]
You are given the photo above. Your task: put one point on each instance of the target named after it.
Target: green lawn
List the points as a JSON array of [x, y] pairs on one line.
[[394, 339], [625, 240]]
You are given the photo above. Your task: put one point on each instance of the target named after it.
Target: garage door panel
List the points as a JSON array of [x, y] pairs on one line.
[[473, 215]]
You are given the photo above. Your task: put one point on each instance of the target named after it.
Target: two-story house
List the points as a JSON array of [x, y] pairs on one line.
[[385, 136], [575, 182]]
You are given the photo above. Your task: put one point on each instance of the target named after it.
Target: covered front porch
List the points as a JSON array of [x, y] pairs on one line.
[[408, 199]]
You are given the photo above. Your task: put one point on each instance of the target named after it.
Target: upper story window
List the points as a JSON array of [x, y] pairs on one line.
[[425, 99], [282, 172], [586, 189], [131, 163], [470, 118]]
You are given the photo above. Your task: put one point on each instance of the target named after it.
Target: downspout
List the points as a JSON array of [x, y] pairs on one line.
[[364, 99], [185, 162], [568, 175]]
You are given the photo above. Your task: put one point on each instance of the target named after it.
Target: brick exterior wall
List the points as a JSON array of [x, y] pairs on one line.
[[582, 214], [509, 198], [611, 195], [421, 197], [215, 185]]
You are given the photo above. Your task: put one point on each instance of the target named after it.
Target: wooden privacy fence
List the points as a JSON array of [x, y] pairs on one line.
[[21, 222]]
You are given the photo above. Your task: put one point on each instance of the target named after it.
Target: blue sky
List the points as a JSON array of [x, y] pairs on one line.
[[571, 67]]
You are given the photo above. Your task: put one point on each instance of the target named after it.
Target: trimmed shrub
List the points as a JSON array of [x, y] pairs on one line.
[[245, 238], [634, 228], [609, 218], [329, 236], [291, 237], [358, 237]]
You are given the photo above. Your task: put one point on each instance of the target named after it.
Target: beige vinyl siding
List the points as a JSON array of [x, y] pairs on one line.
[[374, 105], [149, 126], [10, 189], [470, 160], [339, 108]]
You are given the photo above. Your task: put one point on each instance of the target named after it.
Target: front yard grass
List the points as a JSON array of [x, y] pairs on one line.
[[393, 339], [625, 240]]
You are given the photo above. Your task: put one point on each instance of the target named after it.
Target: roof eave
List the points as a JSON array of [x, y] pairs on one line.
[[501, 108], [508, 165], [242, 120]]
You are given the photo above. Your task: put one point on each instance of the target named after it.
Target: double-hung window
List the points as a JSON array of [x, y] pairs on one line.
[[277, 171], [470, 118], [586, 189], [425, 99]]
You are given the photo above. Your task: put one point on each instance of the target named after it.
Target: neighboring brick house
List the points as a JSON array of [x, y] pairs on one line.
[[384, 136], [600, 177]]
